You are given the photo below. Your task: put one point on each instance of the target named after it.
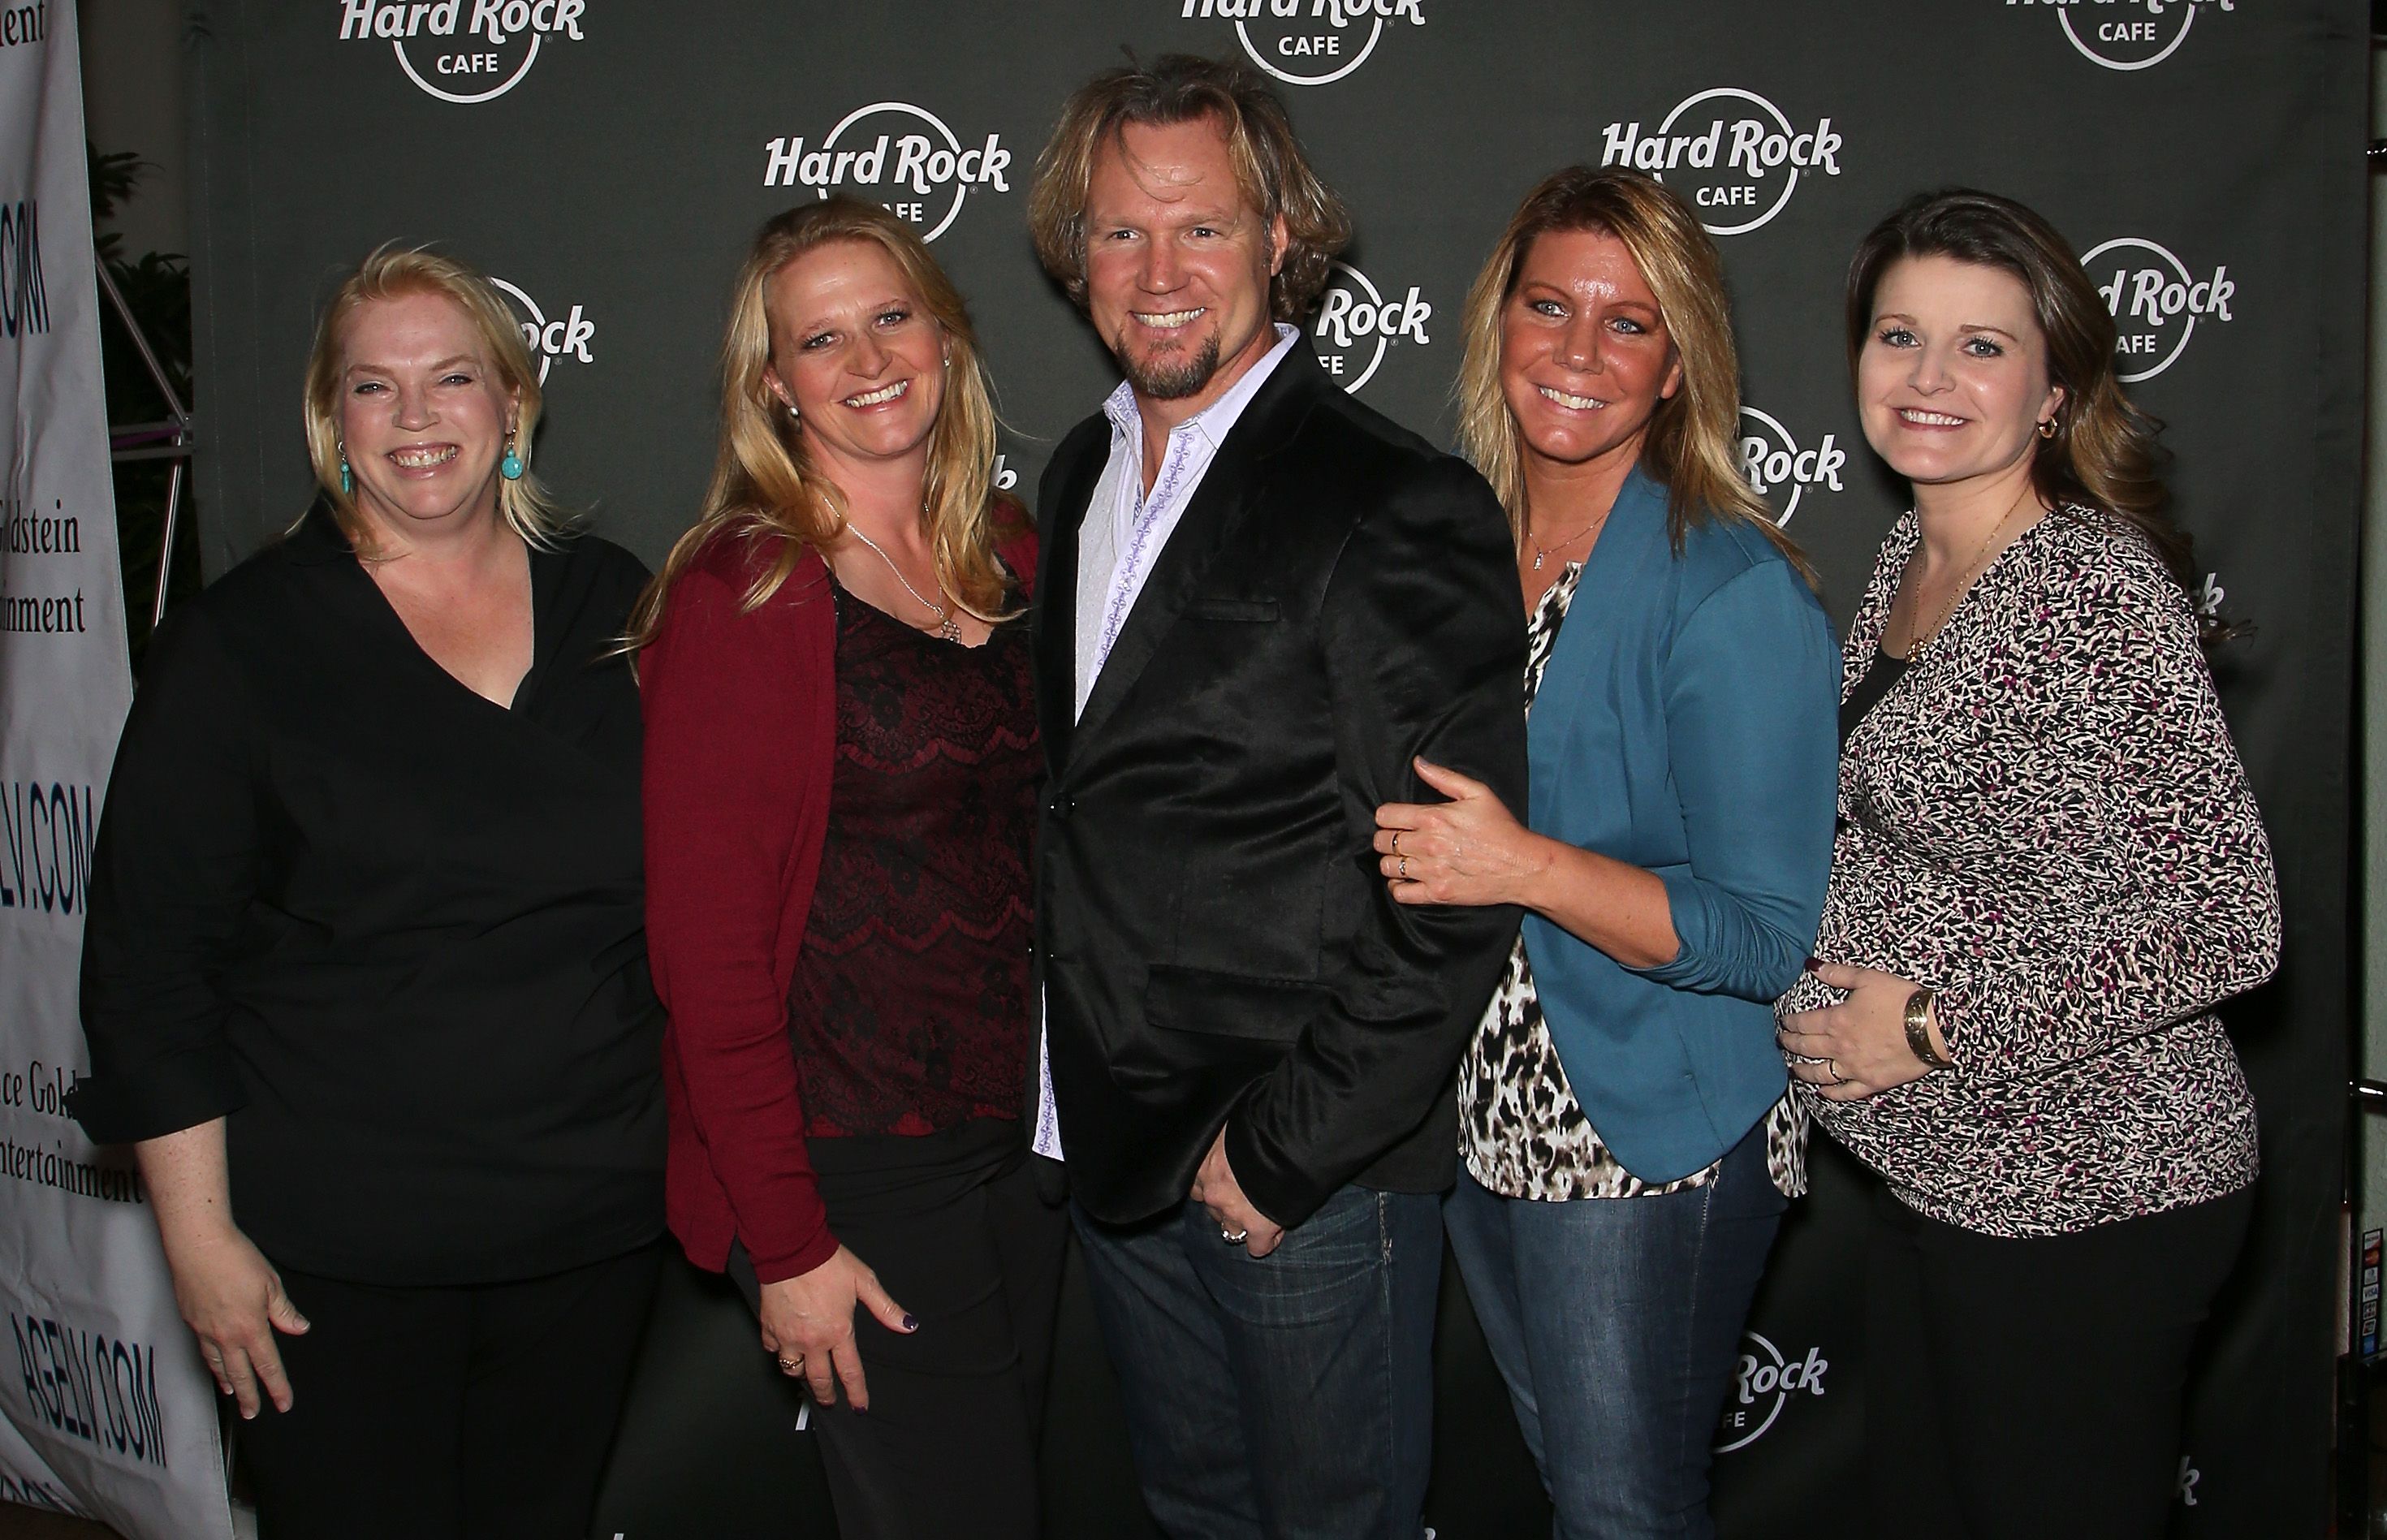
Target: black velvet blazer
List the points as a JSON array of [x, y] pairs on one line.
[[1215, 945]]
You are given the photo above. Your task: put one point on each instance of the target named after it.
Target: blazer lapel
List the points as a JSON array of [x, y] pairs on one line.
[[1616, 566], [1053, 624], [1229, 490]]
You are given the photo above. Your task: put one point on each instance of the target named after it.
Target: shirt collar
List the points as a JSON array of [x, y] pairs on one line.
[[1215, 421]]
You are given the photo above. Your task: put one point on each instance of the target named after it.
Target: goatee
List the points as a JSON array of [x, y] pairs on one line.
[[1163, 381]]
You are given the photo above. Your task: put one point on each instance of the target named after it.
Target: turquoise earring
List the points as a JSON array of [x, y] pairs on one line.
[[512, 466], [348, 482]]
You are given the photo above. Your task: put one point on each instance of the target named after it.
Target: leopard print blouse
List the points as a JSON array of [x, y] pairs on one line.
[[1520, 1130], [2045, 821]]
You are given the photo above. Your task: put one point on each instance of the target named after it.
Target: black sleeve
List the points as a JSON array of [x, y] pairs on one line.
[[1425, 656], [174, 867]]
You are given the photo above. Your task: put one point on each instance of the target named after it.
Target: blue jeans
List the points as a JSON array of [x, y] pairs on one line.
[[1289, 1397], [1616, 1323]]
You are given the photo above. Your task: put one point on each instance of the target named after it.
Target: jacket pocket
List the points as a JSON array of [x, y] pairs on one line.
[[1256, 609], [1230, 1004]]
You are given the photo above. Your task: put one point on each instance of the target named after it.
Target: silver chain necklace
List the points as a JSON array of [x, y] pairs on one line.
[[947, 627]]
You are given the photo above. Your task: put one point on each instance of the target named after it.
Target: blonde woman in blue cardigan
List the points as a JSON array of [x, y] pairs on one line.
[[1628, 1145]]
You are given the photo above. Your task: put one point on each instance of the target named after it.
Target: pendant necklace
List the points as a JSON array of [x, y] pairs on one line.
[[947, 628], [1541, 551]]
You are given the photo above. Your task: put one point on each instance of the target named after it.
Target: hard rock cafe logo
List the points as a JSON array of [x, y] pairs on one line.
[[895, 154], [551, 337], [2127, 34], [1357, 323], [1735, 154], [1764, 1382], [464, 51], [1779, 470], [2156, 301], [1309, 41]]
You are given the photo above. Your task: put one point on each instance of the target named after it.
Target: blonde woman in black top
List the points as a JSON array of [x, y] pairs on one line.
[[2049, 872], [364, 980]]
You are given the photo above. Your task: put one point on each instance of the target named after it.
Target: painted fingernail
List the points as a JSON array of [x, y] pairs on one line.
[[1813, 963], [910, 1322]]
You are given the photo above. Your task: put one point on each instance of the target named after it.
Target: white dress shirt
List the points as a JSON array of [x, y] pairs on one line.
[[1118, 542]]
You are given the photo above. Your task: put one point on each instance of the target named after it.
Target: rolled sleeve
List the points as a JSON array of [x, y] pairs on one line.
[[1752, 683], [175, 869]]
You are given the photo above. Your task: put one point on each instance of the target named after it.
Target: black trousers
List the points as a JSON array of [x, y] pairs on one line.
[[481, 1412], [948, 1447], [2031, 1389]]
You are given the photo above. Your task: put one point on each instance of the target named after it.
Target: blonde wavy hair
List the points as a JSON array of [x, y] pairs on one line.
[[766, 486], [1693, 443], [392, 271], [1271, 170]]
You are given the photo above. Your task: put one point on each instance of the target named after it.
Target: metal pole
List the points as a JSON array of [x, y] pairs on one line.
[[166, 545], [181, 417]]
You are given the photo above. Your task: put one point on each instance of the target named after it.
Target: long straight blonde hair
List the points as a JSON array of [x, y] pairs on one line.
[[766, 485], [1693, 443]]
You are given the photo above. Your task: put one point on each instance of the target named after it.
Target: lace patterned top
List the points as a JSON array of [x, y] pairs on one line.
[[909, 1006], [2045, 821], [1520, 1130]]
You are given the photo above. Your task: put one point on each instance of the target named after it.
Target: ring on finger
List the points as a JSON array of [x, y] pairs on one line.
[[791, 1365], [1396, 841], [1233, 1237], [1405, 868], [1831, 1067]]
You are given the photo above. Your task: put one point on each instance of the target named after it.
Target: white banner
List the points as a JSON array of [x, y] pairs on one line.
[[104, 1409]]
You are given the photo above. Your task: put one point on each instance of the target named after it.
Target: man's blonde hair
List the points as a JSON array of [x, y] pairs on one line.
[[1270, 169]]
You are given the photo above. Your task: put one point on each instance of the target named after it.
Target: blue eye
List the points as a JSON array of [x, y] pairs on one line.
[[1894, 336], [1982, 348], [1546, 307]]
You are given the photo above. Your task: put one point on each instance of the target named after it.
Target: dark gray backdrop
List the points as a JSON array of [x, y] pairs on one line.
[[619, 155]]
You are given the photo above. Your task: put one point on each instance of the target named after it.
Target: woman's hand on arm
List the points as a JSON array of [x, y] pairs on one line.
[[1472, 850], [1857, 1048], [808, 1325], [227, 1291]]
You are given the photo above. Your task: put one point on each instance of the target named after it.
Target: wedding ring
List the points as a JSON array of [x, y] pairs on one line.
[[1233, 1237], [791, 1365], [1405, 868], [1834, 1066], [1396, 841]]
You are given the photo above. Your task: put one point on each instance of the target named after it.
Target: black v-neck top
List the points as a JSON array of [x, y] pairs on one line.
[[1887, 669], [393, 930]]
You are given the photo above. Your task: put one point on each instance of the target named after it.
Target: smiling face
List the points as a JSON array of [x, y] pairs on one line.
[[1585, 358], [1951, 381], [1177, 262], [422, 414], [855, 351]]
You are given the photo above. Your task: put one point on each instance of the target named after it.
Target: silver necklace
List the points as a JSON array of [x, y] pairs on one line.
[[947, 627], [1540, 550]]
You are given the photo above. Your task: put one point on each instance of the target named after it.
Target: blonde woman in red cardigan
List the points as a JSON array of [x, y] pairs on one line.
[[841, 769]]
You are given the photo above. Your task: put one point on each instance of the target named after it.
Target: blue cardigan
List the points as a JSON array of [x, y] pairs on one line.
[[1687, 723]]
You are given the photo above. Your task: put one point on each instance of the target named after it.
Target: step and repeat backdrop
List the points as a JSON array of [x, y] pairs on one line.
[[608, 160]]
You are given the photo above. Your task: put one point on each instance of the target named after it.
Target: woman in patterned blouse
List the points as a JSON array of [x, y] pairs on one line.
[[1626, 1133], [2047, 873]]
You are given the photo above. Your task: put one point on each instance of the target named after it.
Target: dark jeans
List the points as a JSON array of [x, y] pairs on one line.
[[1289, 1397], [481, 1412], [948, 1447], [1616, 1323], [2031, 1389]]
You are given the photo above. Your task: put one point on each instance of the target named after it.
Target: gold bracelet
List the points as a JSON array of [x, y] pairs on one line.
[[1919, 1031]]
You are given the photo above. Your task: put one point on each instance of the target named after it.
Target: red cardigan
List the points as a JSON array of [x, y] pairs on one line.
[[740, 736]]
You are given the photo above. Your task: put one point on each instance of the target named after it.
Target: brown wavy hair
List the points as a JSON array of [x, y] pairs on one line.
[[1693, 441], [765, 485], [1271, 169], [2104, 451]]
